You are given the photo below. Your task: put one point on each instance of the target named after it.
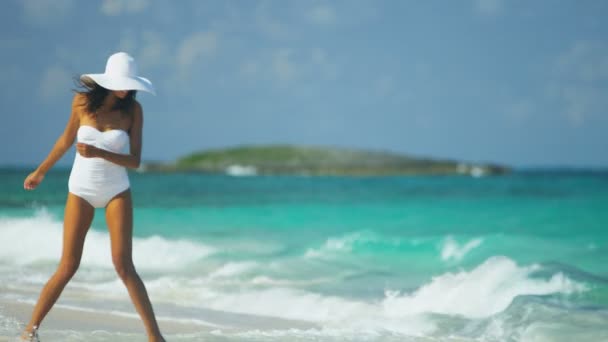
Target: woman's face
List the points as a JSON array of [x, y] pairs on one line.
[[121, 94]]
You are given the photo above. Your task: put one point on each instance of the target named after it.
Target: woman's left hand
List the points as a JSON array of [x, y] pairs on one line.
[[87, 151]]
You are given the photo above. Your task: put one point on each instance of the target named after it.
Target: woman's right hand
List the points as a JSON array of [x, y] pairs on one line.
[[32, 180]]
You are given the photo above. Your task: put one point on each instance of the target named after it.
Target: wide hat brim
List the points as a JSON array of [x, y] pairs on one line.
[[114, 82]]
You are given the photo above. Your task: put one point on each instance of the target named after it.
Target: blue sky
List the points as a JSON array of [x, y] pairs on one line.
[[522, 83]]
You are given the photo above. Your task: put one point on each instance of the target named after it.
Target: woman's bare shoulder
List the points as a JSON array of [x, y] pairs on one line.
[[79, 101], [137, 109]]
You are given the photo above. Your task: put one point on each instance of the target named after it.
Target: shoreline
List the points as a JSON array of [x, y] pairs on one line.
[[64, 318], [67, 318]]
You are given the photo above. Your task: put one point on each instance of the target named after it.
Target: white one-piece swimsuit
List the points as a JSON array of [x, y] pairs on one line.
[[95, 179]]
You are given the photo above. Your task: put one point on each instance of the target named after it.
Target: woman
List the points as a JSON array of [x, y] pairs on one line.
[[105, 118]]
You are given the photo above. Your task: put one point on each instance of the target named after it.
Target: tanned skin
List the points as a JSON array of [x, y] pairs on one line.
[[79, 213]]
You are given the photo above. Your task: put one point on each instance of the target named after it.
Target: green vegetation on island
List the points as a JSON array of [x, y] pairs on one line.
[[306, 160]]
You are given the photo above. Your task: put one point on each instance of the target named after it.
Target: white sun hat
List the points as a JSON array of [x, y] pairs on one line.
[[121, 74]]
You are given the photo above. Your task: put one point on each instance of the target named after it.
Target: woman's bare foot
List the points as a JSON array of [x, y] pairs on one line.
[[30, 334]]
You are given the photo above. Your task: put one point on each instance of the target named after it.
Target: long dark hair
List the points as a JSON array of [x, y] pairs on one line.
[[95, 94]]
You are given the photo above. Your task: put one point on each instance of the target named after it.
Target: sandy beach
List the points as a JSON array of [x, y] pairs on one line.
[[73, 324]]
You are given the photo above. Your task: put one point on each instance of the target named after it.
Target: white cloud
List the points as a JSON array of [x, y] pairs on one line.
[[289, 66], [585, 61], [322, 14], [45, 12], [149, 47], [118, 7], [580, 74], [128, 41], [581, 102], [193, 52], [283, 65], [268, 24], [54, 82], [154, 50], [489, 7], [196, 47]]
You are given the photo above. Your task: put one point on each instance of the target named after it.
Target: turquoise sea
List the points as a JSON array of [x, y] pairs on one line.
[[520, 257]]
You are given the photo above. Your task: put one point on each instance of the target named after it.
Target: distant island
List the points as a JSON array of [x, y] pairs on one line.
[[249, 160]]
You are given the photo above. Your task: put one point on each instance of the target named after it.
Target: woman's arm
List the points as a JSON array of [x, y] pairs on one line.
[[62, 144], [131, 160], [126, 160]]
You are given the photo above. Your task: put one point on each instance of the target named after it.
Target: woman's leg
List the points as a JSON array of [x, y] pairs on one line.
[[77, 220], [119, 217]]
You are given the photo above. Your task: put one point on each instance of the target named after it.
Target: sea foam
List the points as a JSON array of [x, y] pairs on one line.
[[451, 250], [349, 242], [481, 292], [38, 240]]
